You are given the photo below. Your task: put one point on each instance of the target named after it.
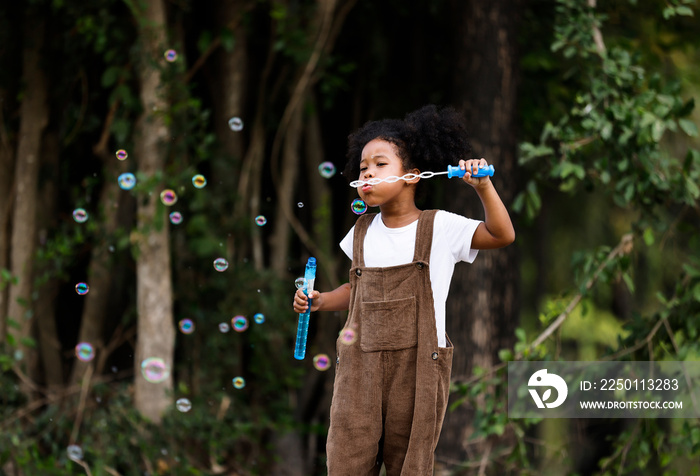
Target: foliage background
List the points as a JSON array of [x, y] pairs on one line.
[[604, 195]]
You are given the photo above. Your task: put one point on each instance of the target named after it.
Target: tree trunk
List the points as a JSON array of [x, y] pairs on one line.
[[154, 295], [49, 344], [6, 200], [482, 310], [34, 117]]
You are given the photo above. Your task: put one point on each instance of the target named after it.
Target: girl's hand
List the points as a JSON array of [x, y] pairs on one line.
[[301, 301], [472, 166]]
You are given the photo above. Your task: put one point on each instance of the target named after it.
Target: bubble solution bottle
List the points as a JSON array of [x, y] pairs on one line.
[[303, 325]]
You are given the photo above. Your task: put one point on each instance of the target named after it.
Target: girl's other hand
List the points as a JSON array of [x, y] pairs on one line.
[[301, 301], [472, 166]]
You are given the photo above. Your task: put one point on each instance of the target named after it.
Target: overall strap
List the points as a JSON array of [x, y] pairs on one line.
[[361, 225], [424, 236]]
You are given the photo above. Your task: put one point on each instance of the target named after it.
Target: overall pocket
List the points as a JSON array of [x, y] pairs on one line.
[[388, 325]]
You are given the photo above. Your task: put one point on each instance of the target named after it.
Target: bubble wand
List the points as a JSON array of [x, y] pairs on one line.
[[452, 171], [303, 325]]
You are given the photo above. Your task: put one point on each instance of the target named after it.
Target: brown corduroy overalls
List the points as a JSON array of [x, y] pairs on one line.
[[392, 383]]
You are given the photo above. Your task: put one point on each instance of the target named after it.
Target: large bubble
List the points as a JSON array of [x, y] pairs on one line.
[[80, 215], [154, 369], [322, 362], [84, 351], [220, 264], [186, 326], [127, 181], [326, 169], [358, 206], [236, 124], [239, 323]]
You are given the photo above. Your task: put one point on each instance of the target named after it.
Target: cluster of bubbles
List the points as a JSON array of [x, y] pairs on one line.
[[154, 369]]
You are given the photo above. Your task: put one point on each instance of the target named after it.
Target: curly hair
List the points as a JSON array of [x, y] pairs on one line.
[[429, 138]]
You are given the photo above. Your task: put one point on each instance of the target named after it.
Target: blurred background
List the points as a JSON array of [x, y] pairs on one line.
[[167, 167]]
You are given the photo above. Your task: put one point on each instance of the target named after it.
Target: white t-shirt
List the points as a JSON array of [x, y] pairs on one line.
[[452, 240]]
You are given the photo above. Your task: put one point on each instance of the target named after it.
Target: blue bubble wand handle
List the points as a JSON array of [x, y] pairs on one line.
[[303, 325], [456, 171]]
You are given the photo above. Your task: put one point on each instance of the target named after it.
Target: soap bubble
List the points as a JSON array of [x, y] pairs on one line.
[[183, 405], [326, 169], [175, 218], [220, 264], [259, 318], [82, 288], [170, 55], [126, 181], [168, 197], [74, 452], [186, 326], [236, 124], [299, 282], [260, 220], [154, 369], [239, 323], [84, 351], [300, 204], [80, 215], [348, 336], [238, 382], [121, 154], [224, 328], [322, 362], [199, 181], [358, 206]]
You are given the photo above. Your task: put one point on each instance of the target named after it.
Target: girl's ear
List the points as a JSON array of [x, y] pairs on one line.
[[413, 180]]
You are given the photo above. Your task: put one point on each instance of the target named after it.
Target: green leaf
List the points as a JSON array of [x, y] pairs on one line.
[[649, 236], [685, 11], [689, 127]]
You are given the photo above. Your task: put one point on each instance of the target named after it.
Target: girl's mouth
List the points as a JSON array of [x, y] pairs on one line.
[[366, 187]]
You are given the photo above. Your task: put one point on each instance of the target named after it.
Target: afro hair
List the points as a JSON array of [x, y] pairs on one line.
[[429, 138]]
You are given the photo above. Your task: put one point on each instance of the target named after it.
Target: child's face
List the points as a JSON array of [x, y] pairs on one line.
[[379, 160]]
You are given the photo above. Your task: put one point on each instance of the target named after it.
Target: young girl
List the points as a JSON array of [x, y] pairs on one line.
[[392, 381]]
